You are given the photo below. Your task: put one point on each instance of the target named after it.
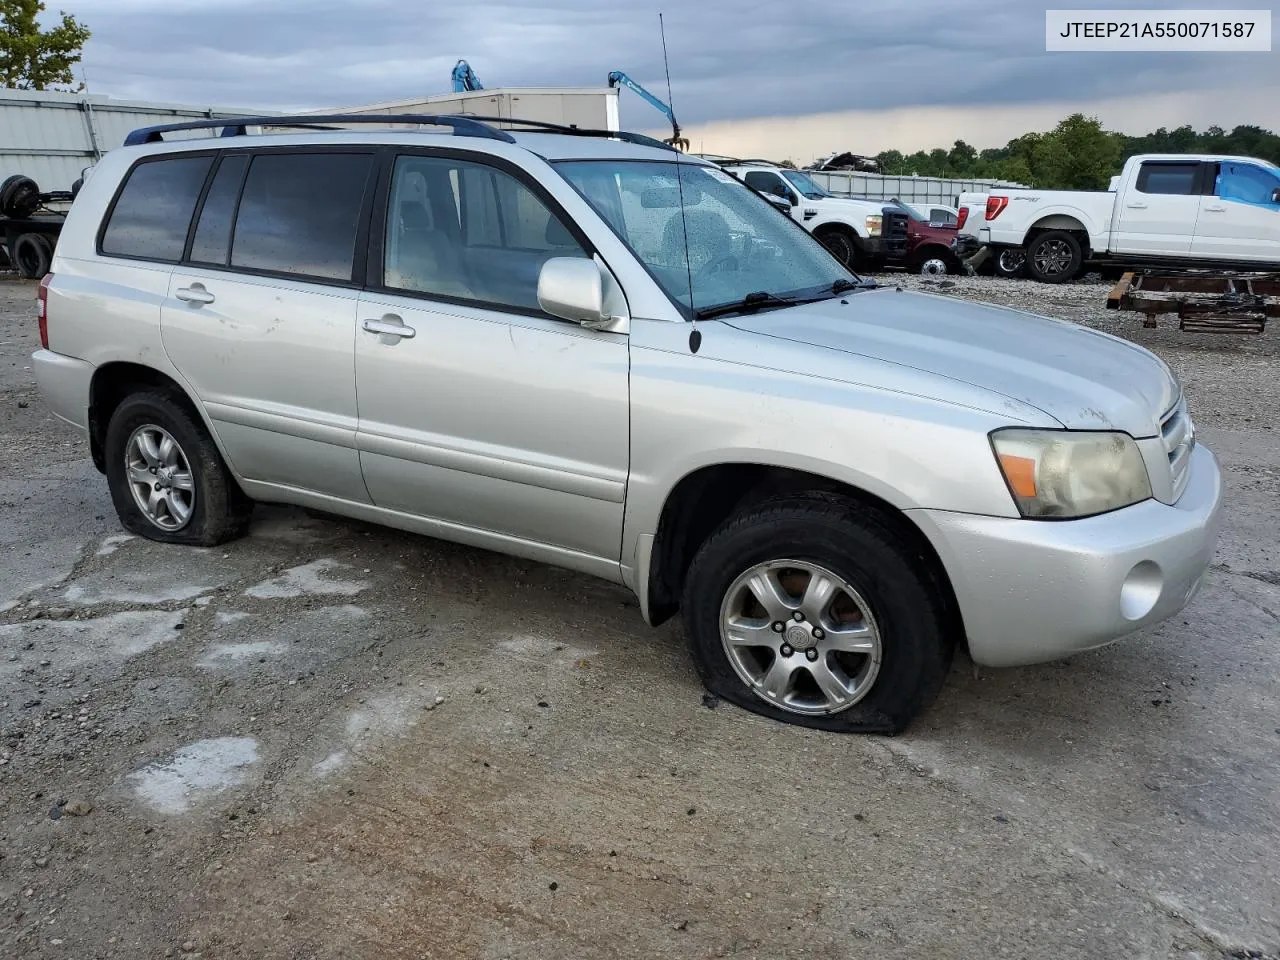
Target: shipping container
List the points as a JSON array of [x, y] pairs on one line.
[[52, 137], [593, 108]]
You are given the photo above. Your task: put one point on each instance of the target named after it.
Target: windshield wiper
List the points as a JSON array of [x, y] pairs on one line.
[[749, 304], [841, 285]]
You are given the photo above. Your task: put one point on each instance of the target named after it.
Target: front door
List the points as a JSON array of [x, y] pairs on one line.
[[1241, 220], [1157, 215], [477, 409], [260, 318]]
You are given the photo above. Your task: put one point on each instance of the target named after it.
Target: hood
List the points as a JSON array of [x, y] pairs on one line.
[[1084, 379]]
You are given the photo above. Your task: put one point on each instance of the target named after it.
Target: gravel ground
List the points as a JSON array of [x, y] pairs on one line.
[[332, 740]]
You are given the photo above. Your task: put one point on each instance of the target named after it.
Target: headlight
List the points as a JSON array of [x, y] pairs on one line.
[[1066, 473], [873, 226]]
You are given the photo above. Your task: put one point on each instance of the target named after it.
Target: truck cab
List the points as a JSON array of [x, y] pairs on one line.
[[864, 234], [1162, 210]]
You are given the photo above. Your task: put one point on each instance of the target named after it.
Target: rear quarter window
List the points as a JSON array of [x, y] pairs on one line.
[[152, 213]]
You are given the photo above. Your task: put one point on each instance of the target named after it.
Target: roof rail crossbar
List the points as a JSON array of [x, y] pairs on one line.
[[236, 126], [573, 130]]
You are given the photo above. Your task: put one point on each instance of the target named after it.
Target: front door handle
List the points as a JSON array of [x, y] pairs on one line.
[[389, 326], [1136, 206], [1215, 209], [196, 293]]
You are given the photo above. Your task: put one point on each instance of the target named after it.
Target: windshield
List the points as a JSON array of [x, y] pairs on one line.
[[805, 185], [737, 244]]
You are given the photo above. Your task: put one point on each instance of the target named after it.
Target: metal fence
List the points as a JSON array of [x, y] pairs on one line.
[[907, 189]]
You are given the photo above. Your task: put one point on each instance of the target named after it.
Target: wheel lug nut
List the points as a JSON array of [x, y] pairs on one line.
[[812, 654], [786, 651], [818, 633], [798, 615], [157, 486], [779, 626]]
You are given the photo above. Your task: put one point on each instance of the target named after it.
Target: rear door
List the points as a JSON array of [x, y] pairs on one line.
[[479, 411], [1239, 217], [260, 315], [1157, 215]]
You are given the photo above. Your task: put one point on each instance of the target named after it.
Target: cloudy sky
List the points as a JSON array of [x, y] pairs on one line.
[[813, 75]]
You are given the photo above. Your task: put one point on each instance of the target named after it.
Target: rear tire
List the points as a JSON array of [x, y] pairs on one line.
[[1054, 257], [31, 255], [935, 263], [890, 597], [154, 443]]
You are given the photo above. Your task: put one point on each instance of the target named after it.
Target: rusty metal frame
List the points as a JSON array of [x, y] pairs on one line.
[[1205, 302]]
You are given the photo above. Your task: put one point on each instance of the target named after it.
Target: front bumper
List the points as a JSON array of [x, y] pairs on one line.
[[1036, 590], [965, 247]]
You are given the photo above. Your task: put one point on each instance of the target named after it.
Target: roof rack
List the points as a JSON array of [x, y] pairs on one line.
[[462, 126], [573, 130], [235, 126]]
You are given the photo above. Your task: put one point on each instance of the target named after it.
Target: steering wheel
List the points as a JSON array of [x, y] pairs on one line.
[[724, 262]]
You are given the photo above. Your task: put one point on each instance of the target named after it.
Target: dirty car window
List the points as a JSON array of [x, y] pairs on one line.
[[736, 242]]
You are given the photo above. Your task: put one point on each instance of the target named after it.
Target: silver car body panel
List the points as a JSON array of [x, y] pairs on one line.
[[545, 440]]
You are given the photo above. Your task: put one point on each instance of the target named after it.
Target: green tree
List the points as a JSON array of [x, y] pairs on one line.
[[35, 59]]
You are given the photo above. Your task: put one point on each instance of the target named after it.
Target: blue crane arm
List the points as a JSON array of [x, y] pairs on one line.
[[618, 77], [464, 78]]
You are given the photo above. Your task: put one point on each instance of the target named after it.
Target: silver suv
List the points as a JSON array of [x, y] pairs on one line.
[[594, 352]]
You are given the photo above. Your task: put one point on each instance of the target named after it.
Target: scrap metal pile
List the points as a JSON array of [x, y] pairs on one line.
[[1205, 302]]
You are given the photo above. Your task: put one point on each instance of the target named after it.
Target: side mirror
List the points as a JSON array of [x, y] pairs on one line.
[[1275, 195], [781, 203], [573, 288]]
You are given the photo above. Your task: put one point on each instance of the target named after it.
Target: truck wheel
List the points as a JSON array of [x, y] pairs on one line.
[[934, 262], [813, 610], [31, 255], [167, 480], [1054, 257], [1010, 262], [839, 243], [19, 197]]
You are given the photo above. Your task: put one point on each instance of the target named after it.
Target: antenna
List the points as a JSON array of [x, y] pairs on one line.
[[695, 336]]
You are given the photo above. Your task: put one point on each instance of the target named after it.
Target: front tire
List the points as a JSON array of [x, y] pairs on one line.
[[840, 244], [1010, 263], [167, 480], [816, 611], [1054, 257]]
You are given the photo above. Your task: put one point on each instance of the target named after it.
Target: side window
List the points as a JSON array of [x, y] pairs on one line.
[[1169, 178], [153, 211], [944, 217], [1246, 183], [300, 212], [468, 230], [765, 182], [212, 241]]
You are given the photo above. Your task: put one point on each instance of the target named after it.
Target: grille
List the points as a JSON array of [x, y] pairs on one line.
[[893, 232], [1179, 436]]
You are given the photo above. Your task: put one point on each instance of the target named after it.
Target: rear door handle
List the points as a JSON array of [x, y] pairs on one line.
[[1136, 206], [389, 326], [196, 293], [1215, 209]]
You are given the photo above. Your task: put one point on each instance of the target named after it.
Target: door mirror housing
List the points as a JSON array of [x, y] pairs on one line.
[[781, 203], [577, 289]]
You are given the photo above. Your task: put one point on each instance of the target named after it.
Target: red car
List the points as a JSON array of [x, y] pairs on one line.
[[928, 244]]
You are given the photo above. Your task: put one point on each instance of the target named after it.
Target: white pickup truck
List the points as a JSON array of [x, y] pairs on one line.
[[1189, 210]]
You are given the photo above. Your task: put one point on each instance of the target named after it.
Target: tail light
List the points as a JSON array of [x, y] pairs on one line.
[[43, 315], [961, 217], [995, 206]]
